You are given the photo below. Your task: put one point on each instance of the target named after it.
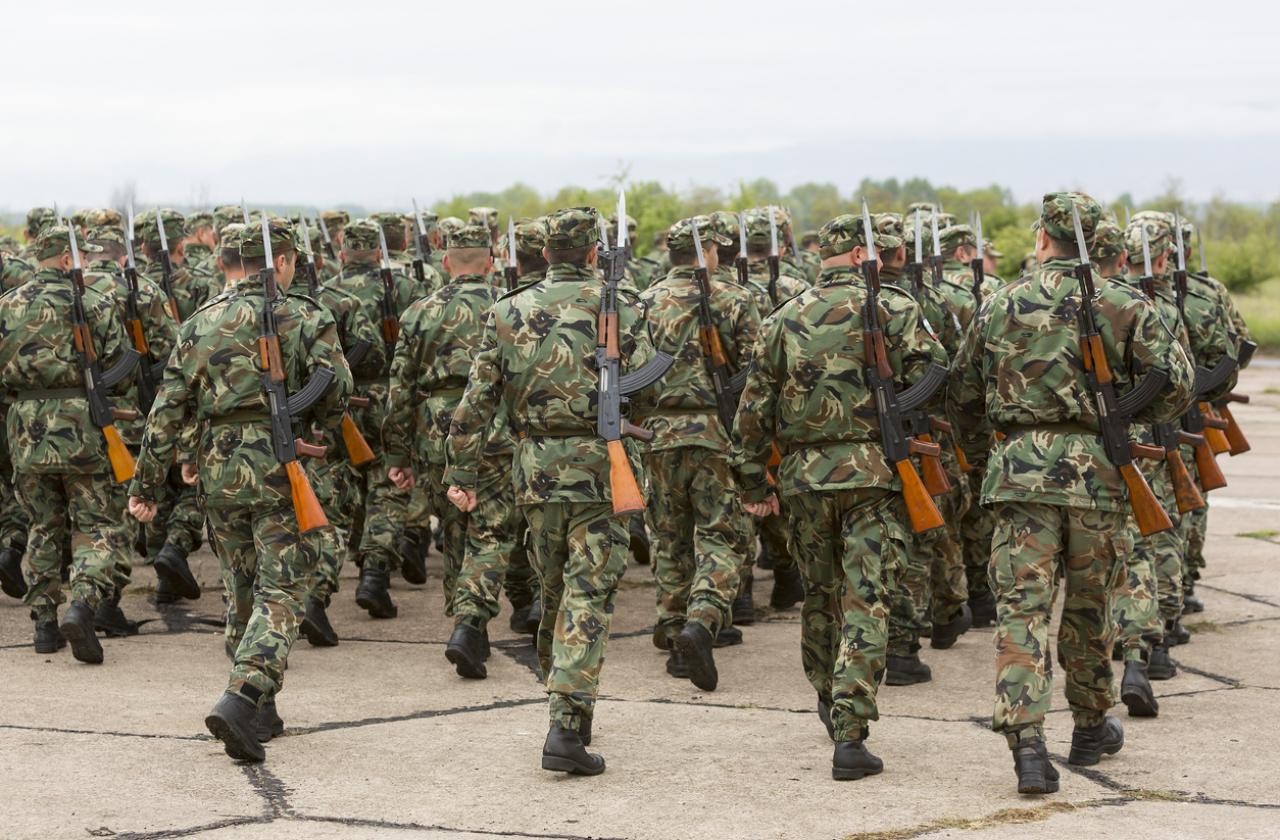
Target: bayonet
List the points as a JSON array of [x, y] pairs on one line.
[[424, 246], [244, 212], [868, 232], [511, 252], [324, 234], [75, 252], [774, 267], [623, 242], [935, 261], [979, 267], [1148, 280], [741, 261], [309, 264], [917, 264], [164, 240], [382, 249]]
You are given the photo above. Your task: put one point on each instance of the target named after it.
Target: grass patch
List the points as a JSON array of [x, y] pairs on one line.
[[1265, 535], [1008, 816], [1271, 389], [1261, 310], [1203, 626]]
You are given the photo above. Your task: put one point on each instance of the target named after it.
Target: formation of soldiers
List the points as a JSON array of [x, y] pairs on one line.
[[913, 445]]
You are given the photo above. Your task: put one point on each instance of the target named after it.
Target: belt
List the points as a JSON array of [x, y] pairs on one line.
[[443, 392], [1056, 428], [50, 394], [241, 415]]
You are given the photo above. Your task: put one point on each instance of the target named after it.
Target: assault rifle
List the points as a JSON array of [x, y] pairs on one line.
[[890, 404], [96, 381], [1114, 414], [612, 388], [510, 273], [935, 260], [1237, 443], [713, 356], [419, 255], [166, 269], [977, 262], [324, 234], [774, 267], [147, 375], [740, 264], [390, 318]]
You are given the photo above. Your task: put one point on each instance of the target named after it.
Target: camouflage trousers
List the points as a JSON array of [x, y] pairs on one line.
[[333, 480], [265, 573], [1195, 532], [13, 519], [1135, 610], [379, 518], [696, 521], [1034, 546], [930, 587], [179, 519], [495, 558], [453, 525], [977, 524], [849, 544], [91, 507], [580, 552]]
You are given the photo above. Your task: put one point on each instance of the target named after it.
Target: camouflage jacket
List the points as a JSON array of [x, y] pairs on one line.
[[808, 391], [158, 329], [48, 425], [1208, 286], [16, 272], [213, 382], [686, 412], [1210, 331], [1019, 372], [536, 372], [956, 289], [758, 284], [439, 338], [190, 290]]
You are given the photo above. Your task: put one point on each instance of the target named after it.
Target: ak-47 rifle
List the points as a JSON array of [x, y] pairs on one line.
[[286, 446], [324, 235], [612, 388], [1167, 436], [133, 323], [166, 269], [97, 382], [1114, 414], [129, 231], [935, 259], [419, 256], [390, 318], [510, 272], [977, 264], [424, 243], [915, 268], [308, 264], [1237, 443], [774, 267], [890, 404], [740, 263], [713, 355]]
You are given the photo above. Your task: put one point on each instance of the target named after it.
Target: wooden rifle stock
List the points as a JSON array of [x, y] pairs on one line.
[[920, 507], [935, 477], [138, 336], [1185, 491], [306, 507], [623, 488], [359, 452], [1238, 443], [1211, 477], [1151, 517], [1215, 429], [122, 464]]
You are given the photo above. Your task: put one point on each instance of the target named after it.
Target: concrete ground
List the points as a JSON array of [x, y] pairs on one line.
[[384, 741]]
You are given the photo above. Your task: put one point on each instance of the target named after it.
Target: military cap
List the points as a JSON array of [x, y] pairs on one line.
[[79, 218], [335, 220], [54, 241], [613, 227], [808, 237], [1055, 215], [925, 208], [105, 234], [104, 217], [449, 224], [144, 226], [362, 235], [487, 216], [1108, 241], [956, 236], [231, 236], [430, 221], [573, 227], [841, 235], [197, 220], [725, 223], [758, 227], [39, 218], [225, 214], [9, 244], [889, 230], [989, 247], [389, 220], [283, 239], [469, 236], [531, 236], [1159, 235], [680, 236]]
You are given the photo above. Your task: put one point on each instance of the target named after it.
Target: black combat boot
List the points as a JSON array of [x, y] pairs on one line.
[[1175, 634], [484, 635], [1036, 773], [639, 540], [48, 638], [316, 626], [788, 588], [524, 620], [1088, 745], [906, 670], [465, 651], [413, 555], [372, 594], [1159, 665], [982, 607], [677, 666], [584, 731], [728, 636], [12, 583], [564, 752], [851, 761], [744, 606], [824, 715], [77, 627], [1136, 691], [1191, 603], [1117, 651], [111, 620], [268, 724], [695, 643], [172, 568], [164, 592], [234, 722], [944, 636]]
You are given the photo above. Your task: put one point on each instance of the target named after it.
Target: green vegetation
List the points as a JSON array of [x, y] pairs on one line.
[[1265, 536], [1260, 307]]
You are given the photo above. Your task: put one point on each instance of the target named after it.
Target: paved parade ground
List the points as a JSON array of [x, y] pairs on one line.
[[383, 740]]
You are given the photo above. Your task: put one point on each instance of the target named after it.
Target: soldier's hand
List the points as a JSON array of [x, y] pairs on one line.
[[402, 477], [190, 474], [463, 500], [768, 507], [141, 510]]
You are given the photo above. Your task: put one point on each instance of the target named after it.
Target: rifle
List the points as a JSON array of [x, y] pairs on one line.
[[1235, 436], [935, 261], [890, 404], [612, 388], [128, 232], [1166, 436], [96, 381], [740, 263], [133, 322], [713, 356], [324, 234], [1113, 413], [773, 258], [977, 262], [166, 269], [309, 264], [915, 268], [390, 318], [419, 258], [510, 272], [286, 446]]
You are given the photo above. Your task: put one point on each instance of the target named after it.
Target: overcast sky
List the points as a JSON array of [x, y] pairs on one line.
[[373, 103]]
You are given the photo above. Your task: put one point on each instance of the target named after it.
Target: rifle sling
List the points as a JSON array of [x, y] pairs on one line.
[[50, 394]]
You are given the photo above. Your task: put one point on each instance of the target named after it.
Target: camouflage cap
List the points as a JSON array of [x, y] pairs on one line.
[[335, 220], [55, 240], [225, 214], [361, 235], [841, 235], [613, 227], [956, 236], [430, 221], [808, 237], [105, 235], [144, 226], [449, 224], [1108, 241], [104, 217], [531, 236], [197, 220], [230, 236], [989, 248], [79, 217], [39, 218], [9, 243], [926, 208], [487, 216], [1159, 235], [680, 236], [573, 227], [283, 239], [725, 223], [1055, 215], [469, 236], [946, 220], [758, 227], [889, 230]]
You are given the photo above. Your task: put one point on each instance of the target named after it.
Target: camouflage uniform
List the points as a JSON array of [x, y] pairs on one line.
[[694, 509], [807, 391], [61, 474], [213, 379], [1019, 372], [535, 370]]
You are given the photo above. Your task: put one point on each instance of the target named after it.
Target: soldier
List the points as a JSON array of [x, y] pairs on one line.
[[693, 507], [379, 510], [991, 263], [215, 378], [38, 218], [335, 222], [1060, 502], [534, 372], [808, 391], [638, 270], [200, 240], [61, 471], [656, 263]]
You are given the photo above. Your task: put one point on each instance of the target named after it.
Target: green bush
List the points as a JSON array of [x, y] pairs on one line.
[[1245, 263]]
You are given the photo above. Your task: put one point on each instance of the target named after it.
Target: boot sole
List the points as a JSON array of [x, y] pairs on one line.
[[463, 664], [902, 679], [315, 637], [1139, 702], [83, 648], [14, 587], [1161, 676], [567, 765], [370, 606], [50, 649], [1042, 787], [702, 665], [416, 578], [232, 743], [1080, 758], [184, 586], [847, 775]]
